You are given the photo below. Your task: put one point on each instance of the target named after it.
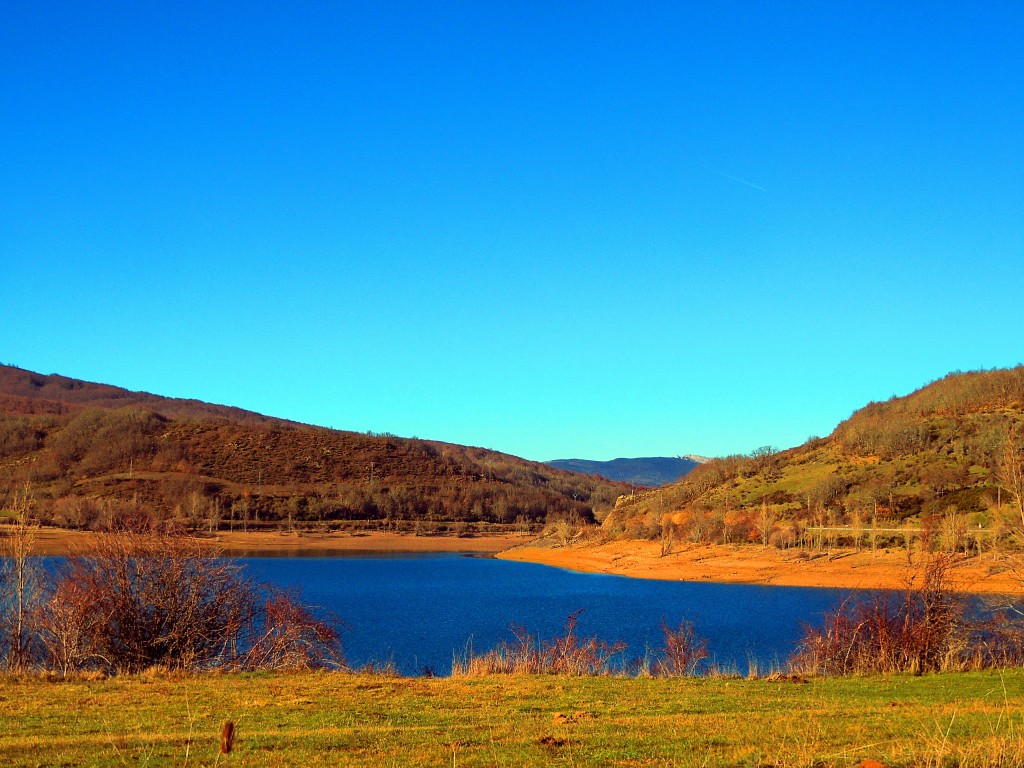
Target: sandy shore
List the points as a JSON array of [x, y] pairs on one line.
[[748, 564], [55, 541], [326, 544], [741, 564]]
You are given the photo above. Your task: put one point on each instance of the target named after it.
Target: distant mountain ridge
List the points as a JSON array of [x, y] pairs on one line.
[[651, 471]]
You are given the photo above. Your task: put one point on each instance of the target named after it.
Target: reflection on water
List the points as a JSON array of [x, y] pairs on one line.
[[419, 611]]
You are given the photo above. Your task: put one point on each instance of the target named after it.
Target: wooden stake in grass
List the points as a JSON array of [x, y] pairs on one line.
[[227, 737]]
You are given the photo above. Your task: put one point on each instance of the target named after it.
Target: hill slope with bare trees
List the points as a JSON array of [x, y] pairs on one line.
[[941, 466], [89, 452]]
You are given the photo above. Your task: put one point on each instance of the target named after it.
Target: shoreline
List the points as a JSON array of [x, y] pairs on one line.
[[711, 563], [62, 542], [751, 564]]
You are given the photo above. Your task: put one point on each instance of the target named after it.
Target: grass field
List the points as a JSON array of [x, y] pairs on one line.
[[313, 719]]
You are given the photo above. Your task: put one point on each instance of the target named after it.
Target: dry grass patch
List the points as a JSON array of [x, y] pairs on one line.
[[307, 719]]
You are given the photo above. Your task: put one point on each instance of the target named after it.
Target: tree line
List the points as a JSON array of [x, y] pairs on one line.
[[83, 465]]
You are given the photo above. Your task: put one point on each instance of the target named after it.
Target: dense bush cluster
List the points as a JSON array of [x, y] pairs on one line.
[[158, 599], [925, 628]]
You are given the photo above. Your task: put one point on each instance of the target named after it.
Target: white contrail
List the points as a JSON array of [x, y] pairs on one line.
[[743, 181]]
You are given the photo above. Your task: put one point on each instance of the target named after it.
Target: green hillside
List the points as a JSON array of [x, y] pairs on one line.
[[88, 453], [942, 462]]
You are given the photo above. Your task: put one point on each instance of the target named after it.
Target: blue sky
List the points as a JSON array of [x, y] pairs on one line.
[[553, 229]]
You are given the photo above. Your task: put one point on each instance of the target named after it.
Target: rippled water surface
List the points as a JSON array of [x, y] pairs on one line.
[[418, 611]]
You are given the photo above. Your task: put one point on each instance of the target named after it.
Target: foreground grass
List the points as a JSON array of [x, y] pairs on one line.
[[313, 719]]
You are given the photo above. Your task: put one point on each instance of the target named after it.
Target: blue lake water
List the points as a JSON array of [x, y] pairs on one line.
[[419, 611]]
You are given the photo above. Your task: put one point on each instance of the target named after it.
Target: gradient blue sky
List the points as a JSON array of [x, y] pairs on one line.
[[553, 229]]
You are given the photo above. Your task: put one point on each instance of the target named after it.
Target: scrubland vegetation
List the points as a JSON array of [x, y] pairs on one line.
[[137, 600], [93, 455], [924, 628], [682, 654], [138, 653], [941, 469]]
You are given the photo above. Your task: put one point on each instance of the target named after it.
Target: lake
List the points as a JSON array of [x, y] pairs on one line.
[[419, 611]]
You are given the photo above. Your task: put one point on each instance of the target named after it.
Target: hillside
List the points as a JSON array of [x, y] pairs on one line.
[[941, 465], [25, 392], [651, 472], [89, 452]]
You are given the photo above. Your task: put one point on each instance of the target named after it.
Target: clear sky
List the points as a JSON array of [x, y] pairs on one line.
[[554, 229]]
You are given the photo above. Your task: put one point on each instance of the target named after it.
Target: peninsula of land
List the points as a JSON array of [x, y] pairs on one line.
[[751, 564]]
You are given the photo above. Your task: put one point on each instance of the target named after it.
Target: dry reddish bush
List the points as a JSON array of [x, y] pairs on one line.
[[137, 601], [291, 637], [922, 629], [683, 653], [70, 629], [567, 654], [152, 600]]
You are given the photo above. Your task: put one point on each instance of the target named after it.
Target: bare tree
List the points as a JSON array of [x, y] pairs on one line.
[[19, 583], [668, 535], [565, 527], [765, 460], [1011, 472], [70, 630], [766, 520]]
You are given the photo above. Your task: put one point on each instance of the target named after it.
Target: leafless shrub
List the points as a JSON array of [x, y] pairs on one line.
[[158, 600], [683, 653], [568, 654], [668, 536], [70, 630], [291, 637], [137, 601], [923, 629]]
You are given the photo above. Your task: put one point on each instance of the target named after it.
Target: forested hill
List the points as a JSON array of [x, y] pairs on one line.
[[90, 452], [651, 471], [25, 392], [940, 458]]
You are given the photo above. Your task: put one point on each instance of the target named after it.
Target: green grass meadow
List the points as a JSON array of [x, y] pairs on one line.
[[335, 719]]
